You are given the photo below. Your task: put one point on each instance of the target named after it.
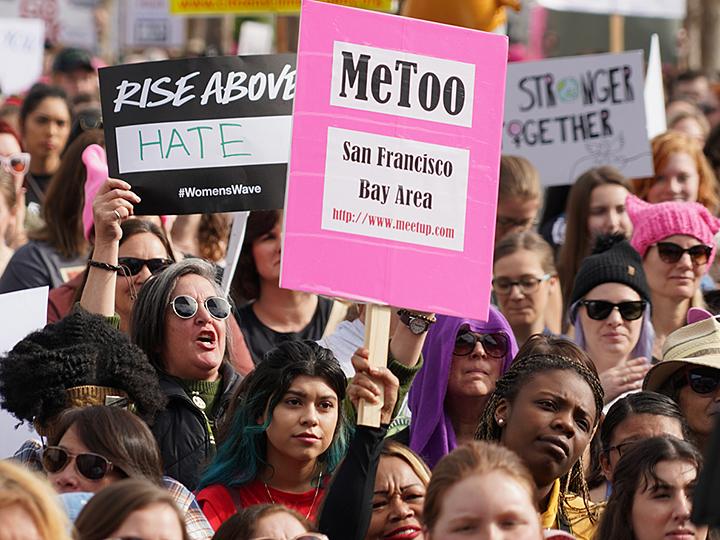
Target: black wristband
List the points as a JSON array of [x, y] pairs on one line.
[[103, 266]]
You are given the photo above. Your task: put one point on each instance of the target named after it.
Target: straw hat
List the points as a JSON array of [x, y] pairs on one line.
[[695, 344]]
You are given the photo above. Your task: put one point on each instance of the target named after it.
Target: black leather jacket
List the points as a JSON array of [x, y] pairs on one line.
[[181, 429]]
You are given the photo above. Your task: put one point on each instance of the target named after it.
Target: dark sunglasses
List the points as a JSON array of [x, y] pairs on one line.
[[495, 345], [671, 253], [91, 466], [701, 380], [599, 310], [133, 266], [186, 306]]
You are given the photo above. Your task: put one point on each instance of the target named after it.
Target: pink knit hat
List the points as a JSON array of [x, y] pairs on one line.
[[653, 223]]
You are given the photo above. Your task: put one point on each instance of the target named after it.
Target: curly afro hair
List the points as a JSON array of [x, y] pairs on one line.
[[81, 349]]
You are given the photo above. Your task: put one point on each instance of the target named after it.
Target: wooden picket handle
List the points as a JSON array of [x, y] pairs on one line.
[[377, 336], [617, 33]]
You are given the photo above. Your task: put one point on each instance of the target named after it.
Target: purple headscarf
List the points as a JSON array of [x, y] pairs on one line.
[[431, 431]]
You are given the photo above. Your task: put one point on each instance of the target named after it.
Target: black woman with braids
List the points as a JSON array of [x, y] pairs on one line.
[[545, 408]]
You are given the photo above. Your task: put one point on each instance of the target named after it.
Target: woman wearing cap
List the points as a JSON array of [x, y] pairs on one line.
[[676, 243], [689, 373], [610, 310], [463, 359]]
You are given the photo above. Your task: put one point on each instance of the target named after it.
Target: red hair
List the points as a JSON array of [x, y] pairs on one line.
[[7, 128]]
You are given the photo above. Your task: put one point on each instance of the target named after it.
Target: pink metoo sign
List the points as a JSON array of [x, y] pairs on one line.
[[392, 185]]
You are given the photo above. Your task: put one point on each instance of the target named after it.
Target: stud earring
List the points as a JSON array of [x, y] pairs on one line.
[[500, 422]]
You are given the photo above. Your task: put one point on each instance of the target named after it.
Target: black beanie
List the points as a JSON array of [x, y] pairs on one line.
[[614, 260]]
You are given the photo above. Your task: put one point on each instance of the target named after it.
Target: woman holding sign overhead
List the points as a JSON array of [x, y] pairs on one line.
[[271, 314]]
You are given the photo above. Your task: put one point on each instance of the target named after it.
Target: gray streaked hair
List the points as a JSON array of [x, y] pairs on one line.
[[147, 327]]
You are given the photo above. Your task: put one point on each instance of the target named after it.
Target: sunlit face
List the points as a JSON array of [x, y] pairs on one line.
[[522, 308], [397, 502], [515, 215], [549, 423], [17, 524], [634, 428], [612, 339], [491, 506], [278, 526], [9, 146], [69, 479], [141, 246], [156, 521], [266, 254], [303, 422], [78, 81], [47, 128], [473, 375], [606, 213], [678, 180], [193, 348], [679, 280], [662, 505], [691, 127]]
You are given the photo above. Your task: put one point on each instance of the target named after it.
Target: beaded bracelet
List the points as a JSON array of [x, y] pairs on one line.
[[103, 266]]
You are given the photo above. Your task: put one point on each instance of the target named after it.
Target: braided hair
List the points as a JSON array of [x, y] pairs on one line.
[[541, 354]]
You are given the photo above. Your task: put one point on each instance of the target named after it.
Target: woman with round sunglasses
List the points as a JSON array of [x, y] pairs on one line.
[[463, 359], [16, 163], [524, 280], [283, 437], [610, 312], [267, 522], [180, 320], [689, 373], [677, 246], [652, 496], [545, 408]]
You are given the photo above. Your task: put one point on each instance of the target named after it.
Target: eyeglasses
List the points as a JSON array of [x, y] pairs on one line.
[[671, 253], [527, 284], [621, 448], [495, 345], [599, 310], [186, 307], [91, 466], [16, 163], [701, 380], [134, 266]]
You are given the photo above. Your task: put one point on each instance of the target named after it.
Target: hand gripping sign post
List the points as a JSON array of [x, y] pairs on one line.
[[568, 115], [200, 135], [392, 188]]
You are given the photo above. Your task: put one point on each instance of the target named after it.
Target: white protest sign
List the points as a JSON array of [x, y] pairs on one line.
[[664, 9], [21, 312], [149, 23], [568, 115], [655, 91], [255, 38], [70, 22], [21, 50]]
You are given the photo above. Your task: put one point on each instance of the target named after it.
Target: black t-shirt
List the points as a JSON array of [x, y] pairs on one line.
[[260, 339], [36, 185]]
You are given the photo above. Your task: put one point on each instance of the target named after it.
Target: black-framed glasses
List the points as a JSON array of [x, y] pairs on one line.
[[701, 380], [599, 310], [133, 266], [527, 284], [621, 448], [16, 163], [671, 253], [495, 345], [186, 306], [91, 466]]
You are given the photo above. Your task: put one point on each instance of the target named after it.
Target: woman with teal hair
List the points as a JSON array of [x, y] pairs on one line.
[[283, 437]]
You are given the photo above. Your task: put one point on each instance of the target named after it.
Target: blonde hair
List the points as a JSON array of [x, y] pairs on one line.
[[672, 142], [527, 241], [7, 188], [393, 448], [474, 458], [23, 488], [518, 178]]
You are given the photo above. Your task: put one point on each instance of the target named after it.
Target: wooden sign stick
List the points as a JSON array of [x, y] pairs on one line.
[[377, 336], [617, 33]]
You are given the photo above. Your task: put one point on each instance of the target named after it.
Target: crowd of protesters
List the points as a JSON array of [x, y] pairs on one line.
[[166, 409]]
